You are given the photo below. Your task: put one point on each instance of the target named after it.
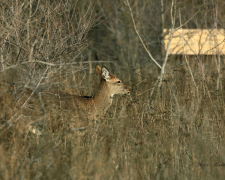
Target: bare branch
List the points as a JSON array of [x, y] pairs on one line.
[[132, 17]]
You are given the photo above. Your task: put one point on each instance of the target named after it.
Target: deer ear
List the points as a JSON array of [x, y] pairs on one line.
[[105, 73], [98, 70]]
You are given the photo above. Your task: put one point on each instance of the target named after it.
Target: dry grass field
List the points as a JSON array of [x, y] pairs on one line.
[[178, 134], [175, 133]]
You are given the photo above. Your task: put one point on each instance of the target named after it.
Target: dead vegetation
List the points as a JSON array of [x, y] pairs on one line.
[[177, 133]]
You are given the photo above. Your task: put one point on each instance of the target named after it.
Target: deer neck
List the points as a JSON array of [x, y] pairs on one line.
[[102, 99]]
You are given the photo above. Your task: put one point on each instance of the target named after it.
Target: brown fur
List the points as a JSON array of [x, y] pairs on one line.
[[95, 106]]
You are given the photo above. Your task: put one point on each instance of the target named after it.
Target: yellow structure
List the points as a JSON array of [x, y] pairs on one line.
[[196, 41]]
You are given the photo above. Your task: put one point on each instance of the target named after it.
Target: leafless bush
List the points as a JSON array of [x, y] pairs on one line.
[[176, 134]]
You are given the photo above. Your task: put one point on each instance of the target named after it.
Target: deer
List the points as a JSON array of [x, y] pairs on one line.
[[91, 107], [74, 108], [95, 106]]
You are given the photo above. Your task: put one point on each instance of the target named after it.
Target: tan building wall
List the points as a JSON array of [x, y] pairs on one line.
[[196, 41]]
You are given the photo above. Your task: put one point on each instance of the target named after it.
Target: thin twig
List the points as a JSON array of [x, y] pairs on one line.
[[192, 16], [132, 17], [189, 68], [52, 64]]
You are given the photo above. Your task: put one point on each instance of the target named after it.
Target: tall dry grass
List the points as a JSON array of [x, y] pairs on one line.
[[177, 134]]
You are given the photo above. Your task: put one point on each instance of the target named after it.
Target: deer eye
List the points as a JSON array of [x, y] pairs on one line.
[[118, 82]]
